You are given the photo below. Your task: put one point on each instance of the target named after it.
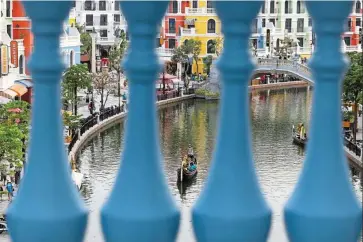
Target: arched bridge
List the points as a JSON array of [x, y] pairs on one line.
[[284, 67]]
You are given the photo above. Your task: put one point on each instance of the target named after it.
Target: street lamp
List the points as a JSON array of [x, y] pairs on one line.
[[93, 58]]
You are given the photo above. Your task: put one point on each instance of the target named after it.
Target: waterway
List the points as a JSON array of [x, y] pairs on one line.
[[278, 161]]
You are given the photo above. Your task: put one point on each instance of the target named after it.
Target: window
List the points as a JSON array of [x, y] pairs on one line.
[[8, 30], [211, 26], [172, 28], [358, 7], [73, 4], [172, 43], [209, 4], [300, 25], [195, 4], [347, 41], [116, 18], [89, 20], [263, 7], [272, 6], [301, 41], [103, 33], [71, 56], [349, 25], [254, 26], [21, 64], [103, 19], [358, 22], [117, 5], [263, 23], [8, 8], [310, 22], [210, 47], [174, 6], [102, 5], [298, 7], [88, 5], [272, 20], [287, 7], [288, 25]]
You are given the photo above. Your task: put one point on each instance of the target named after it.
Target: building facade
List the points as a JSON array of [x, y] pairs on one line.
[[103, 17]]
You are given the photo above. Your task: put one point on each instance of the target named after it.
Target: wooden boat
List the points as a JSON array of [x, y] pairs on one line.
[[296, 138], [186, 175]]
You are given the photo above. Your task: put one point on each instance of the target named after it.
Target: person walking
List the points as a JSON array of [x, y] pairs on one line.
[[91, 107], [10, 189]]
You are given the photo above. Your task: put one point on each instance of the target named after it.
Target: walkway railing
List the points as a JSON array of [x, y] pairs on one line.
[[288, 66], [323, 206]]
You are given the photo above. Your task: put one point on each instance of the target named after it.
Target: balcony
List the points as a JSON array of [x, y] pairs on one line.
[[200, 11], [319, 204], [187, 32]]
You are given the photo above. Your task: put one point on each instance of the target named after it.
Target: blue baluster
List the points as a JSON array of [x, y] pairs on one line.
[[48, 206], [140, 208], [231, 207], [323, 206]]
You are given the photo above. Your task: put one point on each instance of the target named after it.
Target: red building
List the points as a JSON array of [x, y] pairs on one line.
[[351, 35], [22, 29], [173, 21]]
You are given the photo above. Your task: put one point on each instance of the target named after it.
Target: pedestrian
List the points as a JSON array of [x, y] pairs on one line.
[[10, 189], [91, 107]]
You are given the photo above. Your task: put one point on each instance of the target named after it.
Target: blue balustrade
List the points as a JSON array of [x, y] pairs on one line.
[[140, 207], [48, 206], [323, 206], [231, 207]]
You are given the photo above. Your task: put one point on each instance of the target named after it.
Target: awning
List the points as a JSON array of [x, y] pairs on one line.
[[19, 89], [190, 21], [25, 82], [11, 93], [4, 100]]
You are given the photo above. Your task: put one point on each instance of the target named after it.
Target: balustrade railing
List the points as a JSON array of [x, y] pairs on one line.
[[323, 206]]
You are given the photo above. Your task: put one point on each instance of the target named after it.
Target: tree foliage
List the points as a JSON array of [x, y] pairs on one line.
[[117, 53], [216, 46], [71, 121], [104, 84], [17, 112], [207, 61], [11, 143], [285, 47], [75, 78], [353, 84]]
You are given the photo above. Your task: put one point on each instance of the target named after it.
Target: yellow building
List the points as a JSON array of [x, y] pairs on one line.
[[201, 23]]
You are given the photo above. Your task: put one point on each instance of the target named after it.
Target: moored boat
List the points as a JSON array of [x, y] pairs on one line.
[[77, 178]]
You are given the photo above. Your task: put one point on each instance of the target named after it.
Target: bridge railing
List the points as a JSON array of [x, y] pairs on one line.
[[323, 206]]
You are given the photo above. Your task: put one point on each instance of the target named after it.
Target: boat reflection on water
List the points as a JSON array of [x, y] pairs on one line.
[[184, 185]]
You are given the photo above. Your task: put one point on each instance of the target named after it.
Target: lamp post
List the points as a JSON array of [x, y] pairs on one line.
[[93, 58]]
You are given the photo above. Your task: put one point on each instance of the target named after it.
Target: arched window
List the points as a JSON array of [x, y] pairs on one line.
[[211, 26], [71, 58], [211, 47], [185, 42], [286, 6], [358, 6], [272, 6], [21, 64]]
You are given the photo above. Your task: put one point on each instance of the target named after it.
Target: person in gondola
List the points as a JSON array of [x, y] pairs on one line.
[[190, 151], [185, 163]]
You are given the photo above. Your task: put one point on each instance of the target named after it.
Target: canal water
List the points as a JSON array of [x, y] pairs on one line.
[[278, 161]]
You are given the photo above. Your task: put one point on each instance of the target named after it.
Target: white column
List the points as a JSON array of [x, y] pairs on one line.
[[93, 61]]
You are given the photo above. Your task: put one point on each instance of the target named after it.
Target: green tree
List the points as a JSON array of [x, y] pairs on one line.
[[11, 143], [75, 78], [216, 46], [353, 85], [189, 47], [115, 57], [207, 61], [71, 121]]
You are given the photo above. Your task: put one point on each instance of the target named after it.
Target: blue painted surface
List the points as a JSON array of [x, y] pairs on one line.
[[231, 206], [77, 54], [323, 206], [48, 206], [140, 207]]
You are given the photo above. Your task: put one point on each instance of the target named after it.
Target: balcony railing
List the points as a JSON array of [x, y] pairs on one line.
[[200, 11], [185, 31], [232, 207]]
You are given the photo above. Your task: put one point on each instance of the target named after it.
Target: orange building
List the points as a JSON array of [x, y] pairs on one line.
[[22, 29]]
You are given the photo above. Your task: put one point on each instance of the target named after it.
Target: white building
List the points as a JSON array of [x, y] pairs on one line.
[[103, 17]]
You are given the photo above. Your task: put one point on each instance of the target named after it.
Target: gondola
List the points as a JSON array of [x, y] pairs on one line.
[[296, 138], [186, 175]]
